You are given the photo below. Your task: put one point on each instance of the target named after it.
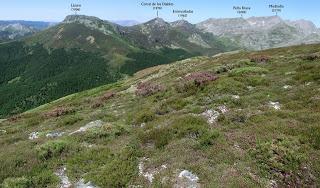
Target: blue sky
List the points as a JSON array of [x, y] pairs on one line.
[[56, 10]]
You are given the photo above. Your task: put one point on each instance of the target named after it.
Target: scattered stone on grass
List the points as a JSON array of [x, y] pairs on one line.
[[54, 134], [3, 131], [250, 88], [287, 87], [64, 180], [275, 105], [235, 96], [81, 184], [149, 173], [211, 115], [223, 109], [33, 135], [187, 179], [93, 124]]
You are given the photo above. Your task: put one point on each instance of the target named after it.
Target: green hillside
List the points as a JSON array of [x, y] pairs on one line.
[[241, 119], [81, 53]]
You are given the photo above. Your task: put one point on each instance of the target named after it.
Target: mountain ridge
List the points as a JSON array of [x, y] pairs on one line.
[[119, 51], [262, 32]]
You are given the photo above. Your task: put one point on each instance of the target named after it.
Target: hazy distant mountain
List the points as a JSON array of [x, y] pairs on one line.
[[262, 32], [16, 29], [126, 22]]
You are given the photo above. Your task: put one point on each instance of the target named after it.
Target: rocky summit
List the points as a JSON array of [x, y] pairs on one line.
[[263, 32]]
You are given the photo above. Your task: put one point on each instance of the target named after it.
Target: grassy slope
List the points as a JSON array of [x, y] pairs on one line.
[[248, 146]]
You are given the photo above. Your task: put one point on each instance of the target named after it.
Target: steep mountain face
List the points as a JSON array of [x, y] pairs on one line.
[[248, 119], [262, 32], [157, 34], [12, 30], [305, 26], [86, 33], [105, 52]]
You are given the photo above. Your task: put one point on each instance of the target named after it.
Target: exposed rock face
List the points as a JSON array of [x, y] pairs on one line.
[[305, 26], [263, 32], [180, 34], [93, 124], [224, 26]]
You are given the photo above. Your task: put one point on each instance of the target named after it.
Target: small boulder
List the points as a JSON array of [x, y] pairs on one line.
[[33, 135], [187, 179], [211, 115], [81, 184], [235, 96], [287, 87], [223, 109], [275, 105], [54, 134]]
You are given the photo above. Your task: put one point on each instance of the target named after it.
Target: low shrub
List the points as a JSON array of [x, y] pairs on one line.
[[118, 171], [200, 78], [101, 100], [247, 71], [169, 105], [44, 178], [160, 136], [189, 126], [51, 149], [313, 136], [148, 88], [183, 127], [191, 82], [281, 158], [260, 59], [14, 118], [21, 182], [69, 120], [311, 57], [308, 72], [33, 121], [103, 133], [208, 138], [59, 111], [144, 116]]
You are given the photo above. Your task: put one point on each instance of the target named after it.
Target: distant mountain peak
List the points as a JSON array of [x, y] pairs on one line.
[[182, 24], [79, 18], [157, 21], [91, 22]]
